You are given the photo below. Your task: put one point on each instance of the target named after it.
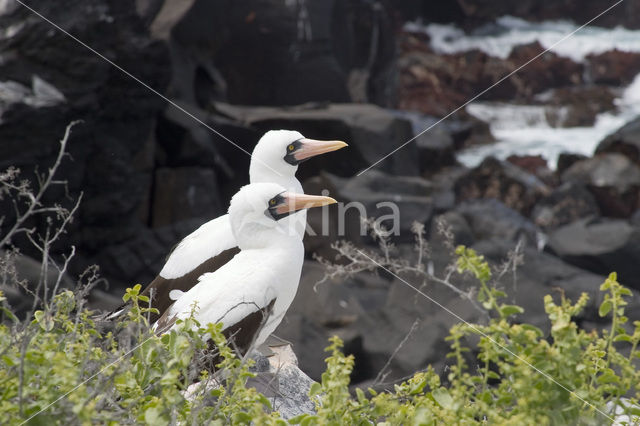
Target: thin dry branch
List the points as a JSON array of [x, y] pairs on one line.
[[23, 189], [351, 260]]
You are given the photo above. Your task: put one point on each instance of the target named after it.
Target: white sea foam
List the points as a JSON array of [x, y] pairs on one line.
[[510, 31], [524, 130]]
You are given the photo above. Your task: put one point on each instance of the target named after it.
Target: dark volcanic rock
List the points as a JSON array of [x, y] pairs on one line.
[[112, 151], [437, 140], [468, 130], [501, 180], [140, 258], [625, 140], [370, 131], [601, 246], [566, 204], [378, 195], [274, 53], [436, 149], [318, 312], [491, 219], [568, 159], [613, 179], [185, 193], [541, 274], [436, 84]]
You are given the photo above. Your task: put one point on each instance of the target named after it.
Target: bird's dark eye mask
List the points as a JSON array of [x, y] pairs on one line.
[[289, 156], [272, 210]]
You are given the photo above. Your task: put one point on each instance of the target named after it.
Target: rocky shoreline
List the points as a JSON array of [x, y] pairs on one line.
[[150, 174]]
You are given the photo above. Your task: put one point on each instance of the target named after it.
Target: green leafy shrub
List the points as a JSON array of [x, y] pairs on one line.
[[60, 367], [574, 377]]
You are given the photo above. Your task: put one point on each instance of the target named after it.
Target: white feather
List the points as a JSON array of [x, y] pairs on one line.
[[208, 241], [175, 294]]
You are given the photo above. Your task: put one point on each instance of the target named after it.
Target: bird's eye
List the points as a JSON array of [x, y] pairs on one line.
[[272, 202], [291, 147]]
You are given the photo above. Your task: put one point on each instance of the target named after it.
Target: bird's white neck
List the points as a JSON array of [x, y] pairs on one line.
[[259, 172], [254, 235]]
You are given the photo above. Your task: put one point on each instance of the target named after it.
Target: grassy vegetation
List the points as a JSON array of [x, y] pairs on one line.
[[58, 367], [60, 364]]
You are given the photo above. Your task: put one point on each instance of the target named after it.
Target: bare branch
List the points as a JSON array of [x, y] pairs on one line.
[[23, 189], [350, 261], [380, 377]]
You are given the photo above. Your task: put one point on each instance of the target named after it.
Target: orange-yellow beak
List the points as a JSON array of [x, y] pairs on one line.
[[293, 202], [311, 147]]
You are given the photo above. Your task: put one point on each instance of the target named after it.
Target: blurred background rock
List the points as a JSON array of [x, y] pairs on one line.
[[564, 132]]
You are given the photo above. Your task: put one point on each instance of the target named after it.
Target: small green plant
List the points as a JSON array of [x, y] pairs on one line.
[[59, 367], [571, 377]]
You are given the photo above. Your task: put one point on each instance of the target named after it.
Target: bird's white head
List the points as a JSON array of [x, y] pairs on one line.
[[278, 153], [256, 209]]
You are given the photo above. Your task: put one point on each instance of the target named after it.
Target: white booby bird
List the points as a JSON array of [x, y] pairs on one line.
[[251, 293], [274, 159]]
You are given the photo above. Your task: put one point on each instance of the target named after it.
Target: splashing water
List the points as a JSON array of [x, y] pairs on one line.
[[525, 129], [509, 32]]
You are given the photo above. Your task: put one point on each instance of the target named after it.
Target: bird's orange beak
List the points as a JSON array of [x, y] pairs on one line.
[[294, 202], [311, 147]]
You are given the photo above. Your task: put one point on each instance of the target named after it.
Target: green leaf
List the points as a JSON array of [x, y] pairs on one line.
[[533, 328], [153, 416], [605, 308], [298, 419], [442, 397], [507, 310], [315, 389], [608, 376], [241, 417]]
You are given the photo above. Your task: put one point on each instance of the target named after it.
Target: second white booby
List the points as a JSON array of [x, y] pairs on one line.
[[251, 293]]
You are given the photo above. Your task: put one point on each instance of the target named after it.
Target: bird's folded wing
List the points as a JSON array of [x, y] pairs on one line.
[[204, 250], [242, 320], [203, 244]]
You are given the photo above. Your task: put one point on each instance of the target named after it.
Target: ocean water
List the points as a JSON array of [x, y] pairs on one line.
[[508, 31], [524, 129]]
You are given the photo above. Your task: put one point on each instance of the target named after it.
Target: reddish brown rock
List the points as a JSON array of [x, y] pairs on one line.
[[436, 84], [576, 106], [614, 67], [536, 165], [545, 72]]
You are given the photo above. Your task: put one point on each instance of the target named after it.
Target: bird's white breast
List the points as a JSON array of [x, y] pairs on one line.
[[245, 285]]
